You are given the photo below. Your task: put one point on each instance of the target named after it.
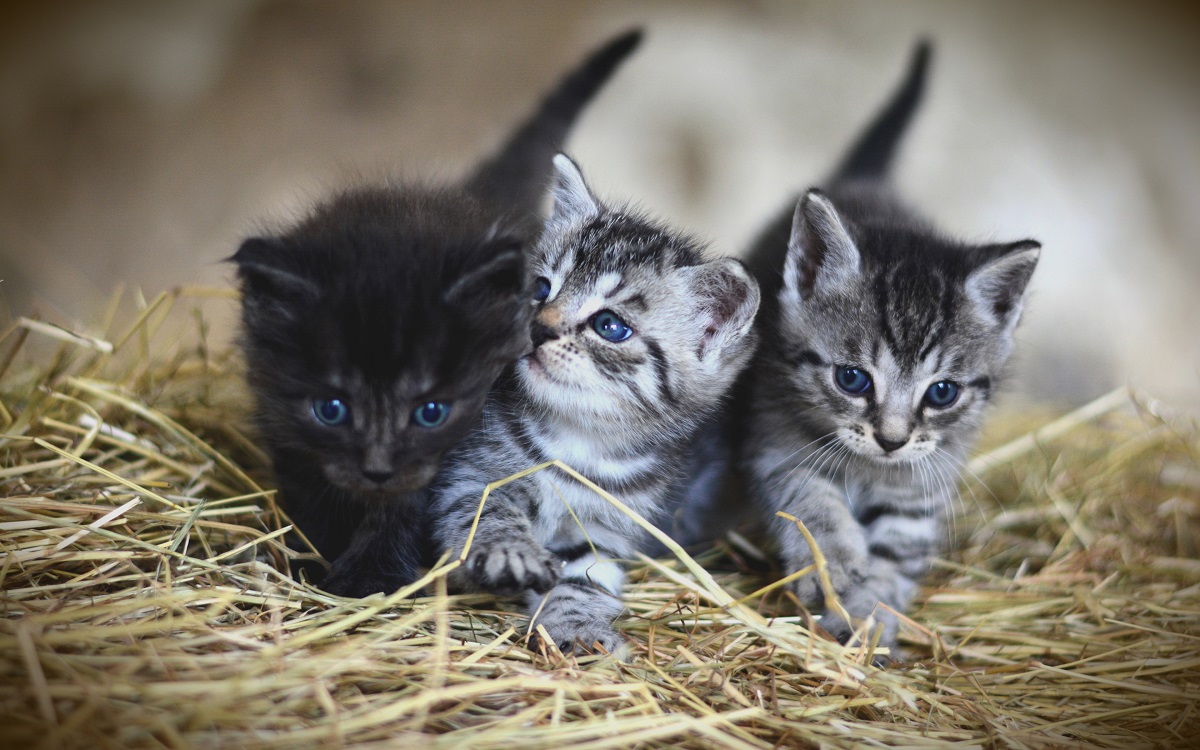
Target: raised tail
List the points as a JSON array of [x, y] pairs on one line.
[[517, 177], [872, 154]]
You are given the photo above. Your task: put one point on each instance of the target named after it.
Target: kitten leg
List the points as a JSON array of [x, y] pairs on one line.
[[859, 579], [878, 582], [383, 554], [327, 519], [856, 580], [900, 542], [821, 506], [578, 613], [880, 563], [504, 558]]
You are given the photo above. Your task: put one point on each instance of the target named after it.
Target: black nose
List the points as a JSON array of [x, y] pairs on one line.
[[541, 334], [378, 477], [889, 445]]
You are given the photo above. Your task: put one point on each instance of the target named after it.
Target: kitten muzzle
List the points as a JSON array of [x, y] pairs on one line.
[[889, 445], [382, 485], [540, 334]]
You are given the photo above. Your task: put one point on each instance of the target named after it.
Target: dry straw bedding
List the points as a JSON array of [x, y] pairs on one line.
[[146, 600]]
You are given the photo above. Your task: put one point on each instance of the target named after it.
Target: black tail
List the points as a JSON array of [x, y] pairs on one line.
[[871, 155], [517, 177]]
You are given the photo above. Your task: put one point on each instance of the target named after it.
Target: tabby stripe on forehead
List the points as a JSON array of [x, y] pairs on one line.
[[900, 330], [941, 360], [661, 371], [948, 305], [637, 300], [604, 230], [932, 339], [882, 303], [554, 262], [939, 330], [805, 357]]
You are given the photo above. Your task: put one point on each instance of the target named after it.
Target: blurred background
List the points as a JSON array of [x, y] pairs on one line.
[[141, 140]]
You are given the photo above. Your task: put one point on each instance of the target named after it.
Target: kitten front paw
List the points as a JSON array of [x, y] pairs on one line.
[[596, 639], [865, 602], [512, 566], [860, 596], [808, 590], [577, 627], [356, 584]]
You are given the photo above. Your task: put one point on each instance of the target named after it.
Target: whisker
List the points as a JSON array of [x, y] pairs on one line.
[[941, 472], [798, 450], [807, 459]]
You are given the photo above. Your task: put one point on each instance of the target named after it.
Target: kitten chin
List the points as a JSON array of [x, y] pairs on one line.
[[374, 328]]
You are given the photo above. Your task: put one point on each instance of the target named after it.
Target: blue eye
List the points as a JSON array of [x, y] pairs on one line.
[[851, 380], [331, 411], [431, 414], [541, 289], [610, 327], [941, 394]]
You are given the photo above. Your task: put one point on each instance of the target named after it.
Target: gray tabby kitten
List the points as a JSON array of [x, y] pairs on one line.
[[883, 341], [636, 339]]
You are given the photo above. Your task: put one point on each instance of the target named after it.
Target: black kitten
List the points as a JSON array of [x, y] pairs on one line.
[[374, 328]]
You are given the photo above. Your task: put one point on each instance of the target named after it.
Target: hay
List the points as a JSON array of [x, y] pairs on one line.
[[146, 601]]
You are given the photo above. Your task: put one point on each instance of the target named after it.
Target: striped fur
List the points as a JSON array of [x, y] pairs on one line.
[[621, 413], [856, 281]]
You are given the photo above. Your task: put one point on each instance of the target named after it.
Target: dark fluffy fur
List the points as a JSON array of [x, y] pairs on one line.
[[386, 298]]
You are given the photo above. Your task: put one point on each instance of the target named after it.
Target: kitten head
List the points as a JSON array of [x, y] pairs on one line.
[[374, 329], [633, 331], [892, 338]]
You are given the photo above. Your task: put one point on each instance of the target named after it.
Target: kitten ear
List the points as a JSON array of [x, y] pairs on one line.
[[821, 255], [263, 267], [573, 201], [997, 287], [727, 297], [503, 276]]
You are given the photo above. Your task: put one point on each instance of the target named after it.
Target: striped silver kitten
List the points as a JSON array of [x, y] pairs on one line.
[[883, 341], [636, 340]]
